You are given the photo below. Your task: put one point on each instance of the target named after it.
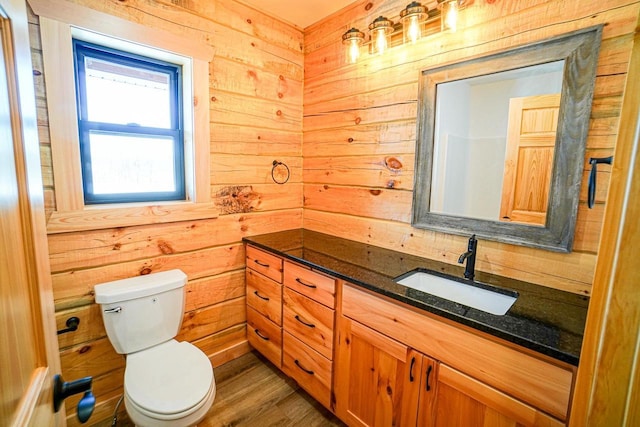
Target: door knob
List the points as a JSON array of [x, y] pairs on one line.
[[63, 389]]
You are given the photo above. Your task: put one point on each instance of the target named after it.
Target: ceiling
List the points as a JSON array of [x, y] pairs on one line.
[[301, 13]]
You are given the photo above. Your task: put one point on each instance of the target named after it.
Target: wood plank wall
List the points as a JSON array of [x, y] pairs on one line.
[[256, 81], [360, 127], [356, 162]]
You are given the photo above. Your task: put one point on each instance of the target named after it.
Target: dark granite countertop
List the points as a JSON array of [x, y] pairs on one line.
[[543, 319]]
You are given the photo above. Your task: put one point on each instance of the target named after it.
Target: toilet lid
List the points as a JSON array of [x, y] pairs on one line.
[[169, 378]]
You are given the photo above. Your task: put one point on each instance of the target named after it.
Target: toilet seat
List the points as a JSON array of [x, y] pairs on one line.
[[168, 381]]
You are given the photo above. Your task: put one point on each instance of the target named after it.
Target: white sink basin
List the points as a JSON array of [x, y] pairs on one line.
[[493, 302]]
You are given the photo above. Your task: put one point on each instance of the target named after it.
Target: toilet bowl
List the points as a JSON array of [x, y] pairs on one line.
[[171, 384], [166, 382]]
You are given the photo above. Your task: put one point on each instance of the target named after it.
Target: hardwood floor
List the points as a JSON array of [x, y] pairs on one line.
[[251, 392]]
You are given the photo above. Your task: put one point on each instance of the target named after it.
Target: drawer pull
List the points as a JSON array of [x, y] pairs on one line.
[[413, 362], [261, 264], [303, 368], [260, 296], [312, 286], [260, 335], [429, 369], [310, 325]]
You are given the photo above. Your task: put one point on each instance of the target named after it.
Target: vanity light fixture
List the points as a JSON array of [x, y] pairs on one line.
[[413, 17], [353, 39], [449, 14], [381, 29]]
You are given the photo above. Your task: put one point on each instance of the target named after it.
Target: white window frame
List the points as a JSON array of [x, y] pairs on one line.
[[59, 22]]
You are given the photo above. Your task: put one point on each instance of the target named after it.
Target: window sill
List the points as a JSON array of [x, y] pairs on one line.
[[112, 216]]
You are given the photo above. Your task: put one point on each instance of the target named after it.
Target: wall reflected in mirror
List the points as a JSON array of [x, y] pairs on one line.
[[494, 140]]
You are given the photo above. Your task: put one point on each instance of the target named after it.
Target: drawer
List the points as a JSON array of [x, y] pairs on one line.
[[265, 336], [264, 295], [314, 285], [264, 263], [311, 370], [309, 321]]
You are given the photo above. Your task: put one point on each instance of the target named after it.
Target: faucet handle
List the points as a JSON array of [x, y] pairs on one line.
[[473, 243]]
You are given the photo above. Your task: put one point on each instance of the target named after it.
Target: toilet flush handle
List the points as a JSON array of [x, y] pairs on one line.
[[117, 309]]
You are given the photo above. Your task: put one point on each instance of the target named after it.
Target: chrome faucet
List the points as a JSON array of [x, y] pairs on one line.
[[470, 256]]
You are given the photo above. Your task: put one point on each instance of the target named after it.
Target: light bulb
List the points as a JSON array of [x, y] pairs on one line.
[[381, 41], [352, 39], [354, 50], [414, 32], [450, 20], [380, 29], [413, 16]]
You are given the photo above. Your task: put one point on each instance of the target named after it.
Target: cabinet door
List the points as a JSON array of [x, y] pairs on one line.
[[374, 384], [463, 401], [425, 417]]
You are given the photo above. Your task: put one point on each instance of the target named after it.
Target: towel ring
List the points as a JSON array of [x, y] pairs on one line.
[[273, 172]]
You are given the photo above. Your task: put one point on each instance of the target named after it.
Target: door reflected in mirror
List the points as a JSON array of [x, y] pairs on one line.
[[494, 141]]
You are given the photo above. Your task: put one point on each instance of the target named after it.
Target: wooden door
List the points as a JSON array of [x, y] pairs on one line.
[[462, 401], [531, 139], [377, 378], [29, 355]]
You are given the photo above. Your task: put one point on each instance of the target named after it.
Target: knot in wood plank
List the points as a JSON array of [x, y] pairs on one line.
[[393, 163], [165, 247]]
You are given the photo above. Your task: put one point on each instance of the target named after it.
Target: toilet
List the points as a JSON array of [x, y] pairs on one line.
[[166, 382]]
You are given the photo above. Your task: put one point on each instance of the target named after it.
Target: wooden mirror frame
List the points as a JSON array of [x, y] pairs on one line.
[[580, 51]]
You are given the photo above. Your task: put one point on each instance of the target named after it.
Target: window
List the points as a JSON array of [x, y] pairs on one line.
[[58, 28], [130, 125]]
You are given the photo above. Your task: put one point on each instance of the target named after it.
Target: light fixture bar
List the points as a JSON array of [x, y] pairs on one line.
[[415, 21]]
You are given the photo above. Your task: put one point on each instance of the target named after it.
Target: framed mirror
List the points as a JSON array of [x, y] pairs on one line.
[[501, 142]]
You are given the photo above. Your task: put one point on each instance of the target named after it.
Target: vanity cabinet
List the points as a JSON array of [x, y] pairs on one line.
[[396, 365], [263, 277], [473, 380]]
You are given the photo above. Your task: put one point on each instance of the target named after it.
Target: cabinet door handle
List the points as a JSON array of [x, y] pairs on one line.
[[302, 367], [312, 286], [413, 362], [260, 296], [429, 369], [261, 263], [260, 335], [310, 325]]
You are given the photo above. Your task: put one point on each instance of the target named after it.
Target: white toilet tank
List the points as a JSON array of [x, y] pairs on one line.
[[142, 311]]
